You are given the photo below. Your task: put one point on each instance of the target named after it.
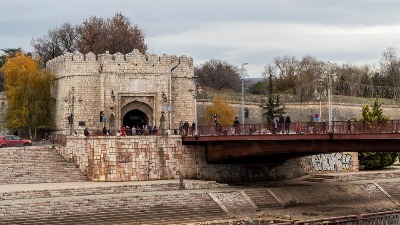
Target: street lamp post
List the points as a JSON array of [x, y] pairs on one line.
[[242, 75], [167, 108], [197, 90], [319, 92], [72, 110], [330, 76]]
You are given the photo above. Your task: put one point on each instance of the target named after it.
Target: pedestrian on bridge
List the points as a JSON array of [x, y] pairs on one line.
[[236, 125], [281, 123], [298, 127], [349, 126], [287, 124], [323, 127]]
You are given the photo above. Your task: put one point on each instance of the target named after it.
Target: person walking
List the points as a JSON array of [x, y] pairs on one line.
[[186, 128], [287, 124], [275, 128], [323, 127], [298, 127], [181, 127], [193, 128], [86, 132], [123, 131], [236, 126], [349, 126], [281, 123]]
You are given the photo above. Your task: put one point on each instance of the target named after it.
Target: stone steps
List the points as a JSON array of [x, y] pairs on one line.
[[392, 189], [263, 198], [147, 203], [36, 165], [68, 192], [319, 178], [109, 209], [122, 217]]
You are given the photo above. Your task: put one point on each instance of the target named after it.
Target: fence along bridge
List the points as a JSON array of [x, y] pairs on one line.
[[270, 143]]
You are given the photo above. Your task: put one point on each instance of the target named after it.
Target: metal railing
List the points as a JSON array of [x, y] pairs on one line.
[[338, 127], [381, 218]]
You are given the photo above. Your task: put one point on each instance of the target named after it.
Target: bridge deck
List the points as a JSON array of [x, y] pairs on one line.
[[253, 145]]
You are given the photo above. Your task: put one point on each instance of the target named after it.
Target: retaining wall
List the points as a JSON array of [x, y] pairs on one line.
[[111, 158]]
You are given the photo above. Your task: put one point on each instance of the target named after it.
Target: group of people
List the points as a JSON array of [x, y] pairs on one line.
[[186, 129], [135, 130], [125, 131], [282, 124]]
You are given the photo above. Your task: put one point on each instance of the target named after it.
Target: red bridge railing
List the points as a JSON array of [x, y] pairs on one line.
[[339, 127]]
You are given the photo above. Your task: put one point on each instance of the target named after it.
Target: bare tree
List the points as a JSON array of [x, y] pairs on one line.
[[218, 75], [92, 35], [95, 34], [56, 42], [390, 70], [67, 35], [117, 34]]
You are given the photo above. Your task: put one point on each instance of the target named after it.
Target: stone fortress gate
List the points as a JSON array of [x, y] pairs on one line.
[[132, 89]]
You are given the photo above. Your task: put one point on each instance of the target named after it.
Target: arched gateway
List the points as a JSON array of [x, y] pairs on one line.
[[137, 114]]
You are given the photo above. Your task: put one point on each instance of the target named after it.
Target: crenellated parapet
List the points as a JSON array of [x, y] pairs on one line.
[[133, 62]]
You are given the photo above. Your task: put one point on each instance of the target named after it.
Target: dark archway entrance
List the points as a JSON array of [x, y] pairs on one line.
[[135, 118]]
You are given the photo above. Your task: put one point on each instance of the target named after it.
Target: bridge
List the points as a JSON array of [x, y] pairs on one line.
[[276, 143]]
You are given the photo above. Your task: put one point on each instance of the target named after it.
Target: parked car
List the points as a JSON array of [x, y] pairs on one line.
[[13, 141]]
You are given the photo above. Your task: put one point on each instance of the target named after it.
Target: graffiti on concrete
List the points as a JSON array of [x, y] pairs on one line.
[[331, 162]]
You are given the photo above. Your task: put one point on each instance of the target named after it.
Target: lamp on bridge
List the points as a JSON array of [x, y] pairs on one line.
[[167, 108], [243, 74], [319, 92], [330, 76], [70, 100], [197, 90]]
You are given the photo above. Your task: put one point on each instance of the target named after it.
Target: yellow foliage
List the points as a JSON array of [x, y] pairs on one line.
[[225, 113], [28, 93]]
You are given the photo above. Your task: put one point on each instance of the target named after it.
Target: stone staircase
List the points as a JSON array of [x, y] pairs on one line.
[[34, 164], [320, 178], [393, 190], [131, 208], [263, 198], [37, 186]]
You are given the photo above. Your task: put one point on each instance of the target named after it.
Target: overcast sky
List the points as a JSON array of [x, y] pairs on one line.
[[235, 31]]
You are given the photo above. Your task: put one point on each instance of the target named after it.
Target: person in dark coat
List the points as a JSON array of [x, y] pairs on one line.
[[287, 124], [281, 124], [236, 125], [186, 127], [349, 126], [86, 132], [193, 128], [323, 127]]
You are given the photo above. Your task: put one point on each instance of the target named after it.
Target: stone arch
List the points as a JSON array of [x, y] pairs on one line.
[[139, 109]]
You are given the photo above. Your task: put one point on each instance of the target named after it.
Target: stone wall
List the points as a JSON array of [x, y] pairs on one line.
[[87, 84], [301, 112], [110, 158]]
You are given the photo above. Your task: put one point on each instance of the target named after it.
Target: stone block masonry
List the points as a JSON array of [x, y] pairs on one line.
[[121, 86], [111, 158]]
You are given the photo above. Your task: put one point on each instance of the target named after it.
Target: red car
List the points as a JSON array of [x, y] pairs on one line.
[[13, 141]]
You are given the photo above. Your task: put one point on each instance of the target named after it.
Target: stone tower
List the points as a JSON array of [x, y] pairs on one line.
[[132, 90]]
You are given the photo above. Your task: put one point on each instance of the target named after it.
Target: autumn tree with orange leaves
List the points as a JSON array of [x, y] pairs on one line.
[[29, 99], [225, 113]]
